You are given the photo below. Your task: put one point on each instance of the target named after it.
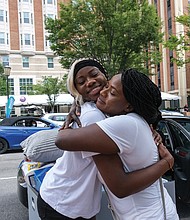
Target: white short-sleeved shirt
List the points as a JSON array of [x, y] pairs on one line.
[[137, 150], [71, 187]]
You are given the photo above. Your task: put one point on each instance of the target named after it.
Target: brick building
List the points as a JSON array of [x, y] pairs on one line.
[[169, 77]]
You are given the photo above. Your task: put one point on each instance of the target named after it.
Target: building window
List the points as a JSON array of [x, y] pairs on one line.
[[47, 42], [50, 16], [26, 16], [2, 38], [1, 15], [168, 3], [31, 18], [6, 16], [20, 15], [27, 39], [11, 86], [50, 62], [7, 38], [5, 60], [25, 62], [32, 40], [21, 41], [25, 85], [49, 1], [25, 0]]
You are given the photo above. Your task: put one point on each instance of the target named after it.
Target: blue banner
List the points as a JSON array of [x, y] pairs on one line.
[[9, 106]]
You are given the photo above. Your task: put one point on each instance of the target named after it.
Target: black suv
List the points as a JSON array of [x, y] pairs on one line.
[[176, 131]]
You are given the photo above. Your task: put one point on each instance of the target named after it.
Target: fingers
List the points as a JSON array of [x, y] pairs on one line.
[[78, 109], [157, 137]]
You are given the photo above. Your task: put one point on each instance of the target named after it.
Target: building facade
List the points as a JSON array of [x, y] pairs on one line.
[[24, 45], [169, 77], [25, 48]]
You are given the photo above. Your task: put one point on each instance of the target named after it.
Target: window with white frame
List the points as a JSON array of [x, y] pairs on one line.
[[5, 60], [50, 62], [1, 15], [47, 42], [26, 17], [11, 86], [25, 85], [2, 38], [50, 16], [25, 62], [27, 39], [49, 1]]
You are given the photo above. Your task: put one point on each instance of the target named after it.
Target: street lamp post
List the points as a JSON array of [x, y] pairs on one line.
[[7, 71]]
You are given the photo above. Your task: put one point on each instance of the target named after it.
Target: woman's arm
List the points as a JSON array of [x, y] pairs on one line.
[[90, 138], [123, 184]]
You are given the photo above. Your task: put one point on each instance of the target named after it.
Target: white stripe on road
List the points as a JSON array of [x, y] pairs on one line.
[[8, 178]]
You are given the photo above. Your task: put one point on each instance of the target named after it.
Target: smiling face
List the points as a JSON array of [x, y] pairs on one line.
[[111, 100], [89, 81]]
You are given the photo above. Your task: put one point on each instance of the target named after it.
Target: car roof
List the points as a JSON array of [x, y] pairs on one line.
[[12, 120], [176, 117]]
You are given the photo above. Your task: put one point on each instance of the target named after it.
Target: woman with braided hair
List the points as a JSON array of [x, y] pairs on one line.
[[133, 99], [71, 189]]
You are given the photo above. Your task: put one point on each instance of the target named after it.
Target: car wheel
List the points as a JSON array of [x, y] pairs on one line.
[[3, 146]]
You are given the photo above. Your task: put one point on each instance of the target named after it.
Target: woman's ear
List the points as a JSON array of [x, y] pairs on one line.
[[128, 108]]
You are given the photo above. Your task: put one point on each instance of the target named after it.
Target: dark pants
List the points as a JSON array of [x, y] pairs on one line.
[[46, 212]]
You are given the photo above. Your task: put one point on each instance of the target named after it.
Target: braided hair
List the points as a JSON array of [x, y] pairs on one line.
[[142, 94]]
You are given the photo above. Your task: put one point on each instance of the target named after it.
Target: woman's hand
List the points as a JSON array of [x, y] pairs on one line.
[[157, 137], [165, 155], [73, 115]]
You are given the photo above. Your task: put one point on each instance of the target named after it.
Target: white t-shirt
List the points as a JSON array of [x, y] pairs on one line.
[[137, 150], [71, 186]]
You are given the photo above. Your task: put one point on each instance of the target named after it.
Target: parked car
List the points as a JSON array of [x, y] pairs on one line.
[[181, 119], [58, 118], [177, 140], [16, 129]]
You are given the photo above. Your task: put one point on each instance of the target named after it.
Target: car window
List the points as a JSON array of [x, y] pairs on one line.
[[184, 123], [42, 124], [20, 123], [31, 123], [164, 130], [179, 138], [58, 118]]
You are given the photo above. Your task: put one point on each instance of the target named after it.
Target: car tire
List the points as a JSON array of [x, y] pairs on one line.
[[3, 146]]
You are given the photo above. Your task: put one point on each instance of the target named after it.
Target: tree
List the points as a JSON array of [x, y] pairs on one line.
[[3, 86], [181, 43], [51, 87], [118, 33]]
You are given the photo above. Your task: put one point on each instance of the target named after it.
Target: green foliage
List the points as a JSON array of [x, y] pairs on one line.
[[120, 34], [52, 87], [180, 44], [3, 86]]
